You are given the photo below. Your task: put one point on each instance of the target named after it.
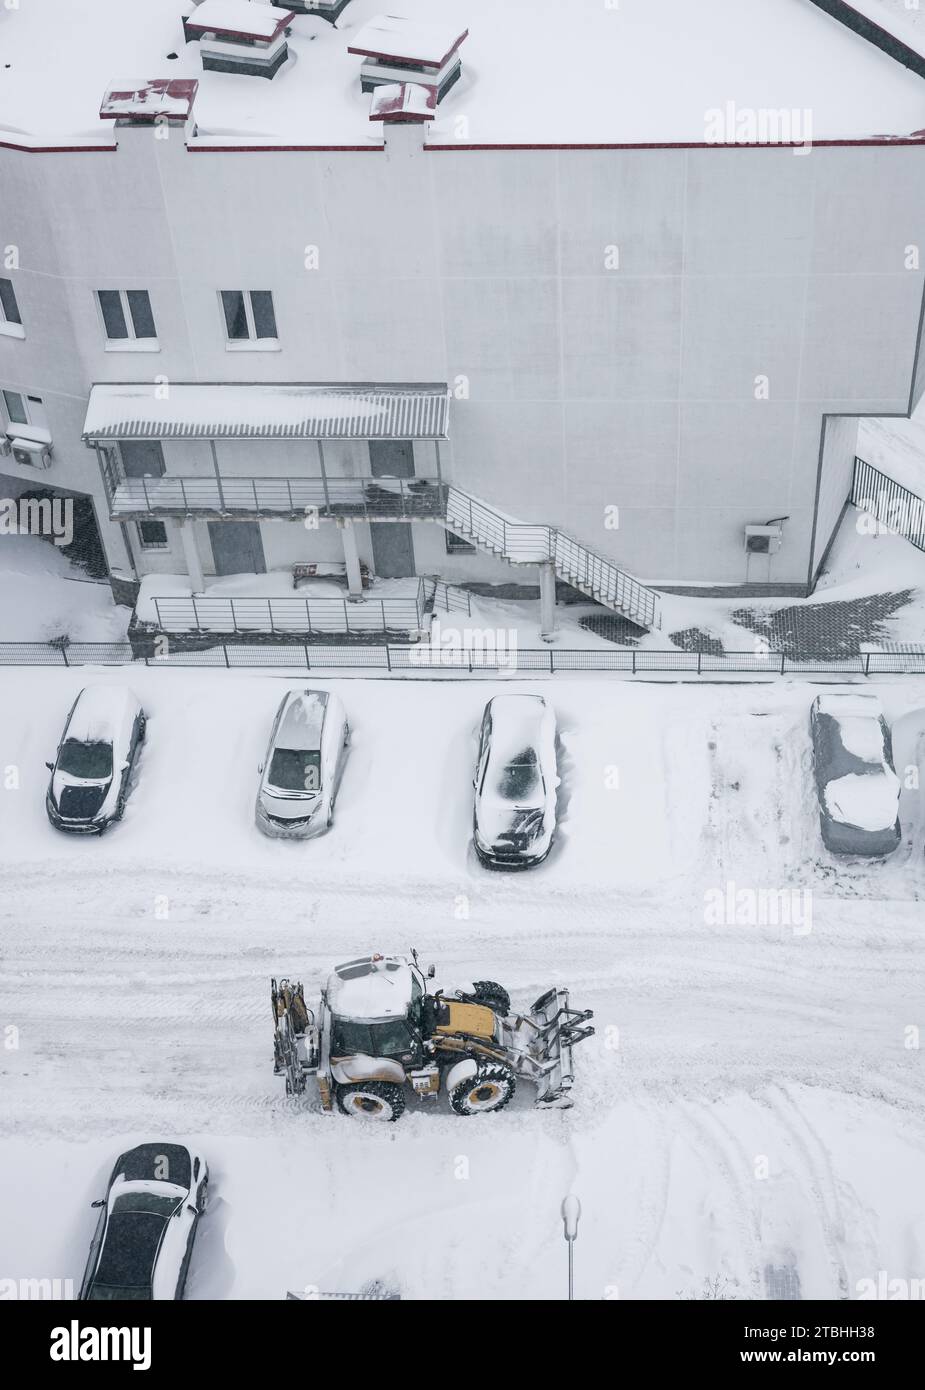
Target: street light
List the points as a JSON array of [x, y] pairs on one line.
[[571, 1213]]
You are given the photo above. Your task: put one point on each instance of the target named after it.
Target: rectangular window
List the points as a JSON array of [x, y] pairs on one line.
[[9, 309], [15, 406], [127, 316], [249, 316], [28, 411], [152, 535]]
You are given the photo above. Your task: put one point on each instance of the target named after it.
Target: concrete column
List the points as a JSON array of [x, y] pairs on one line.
[[351, 558], [191, 555], [547, 602]]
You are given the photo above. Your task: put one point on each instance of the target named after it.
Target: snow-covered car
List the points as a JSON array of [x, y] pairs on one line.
[[515, 782], [92, 771], [857, 785], [148, 1220], [301, 772]]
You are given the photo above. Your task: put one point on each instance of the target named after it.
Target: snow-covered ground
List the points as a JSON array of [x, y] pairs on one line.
[[751, 1100], [43, 595]]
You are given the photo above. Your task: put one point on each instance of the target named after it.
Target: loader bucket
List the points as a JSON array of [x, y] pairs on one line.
[[544, 1038]]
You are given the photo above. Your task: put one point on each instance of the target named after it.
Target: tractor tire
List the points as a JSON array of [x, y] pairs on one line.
[[372, 1100], [490, 1089], [492, 995]]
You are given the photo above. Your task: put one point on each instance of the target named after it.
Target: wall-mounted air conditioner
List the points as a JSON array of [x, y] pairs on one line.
[[763, 540], [32, 453]]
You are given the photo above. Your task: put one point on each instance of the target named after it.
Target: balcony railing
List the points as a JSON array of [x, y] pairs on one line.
[[366, 498], [292, 615]]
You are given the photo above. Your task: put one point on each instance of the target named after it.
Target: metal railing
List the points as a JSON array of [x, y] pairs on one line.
[[896, 509], [420, 657], [449, 597], [211, 615], [364, 498], [522, 543]]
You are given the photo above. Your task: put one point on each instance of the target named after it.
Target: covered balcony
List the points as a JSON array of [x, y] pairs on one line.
[[208, 429]]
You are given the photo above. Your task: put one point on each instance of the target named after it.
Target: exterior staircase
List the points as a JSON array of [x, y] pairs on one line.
[[523, 544]]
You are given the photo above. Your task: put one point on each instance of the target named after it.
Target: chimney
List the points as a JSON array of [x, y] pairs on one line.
[[403, 51], [238, 36]]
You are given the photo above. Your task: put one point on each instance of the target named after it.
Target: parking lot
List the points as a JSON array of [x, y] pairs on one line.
[[135, 968]]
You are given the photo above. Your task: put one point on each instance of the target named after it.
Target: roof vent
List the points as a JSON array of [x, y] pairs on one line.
[[238, 36], [146, 101], [402, 101], [398, 50]]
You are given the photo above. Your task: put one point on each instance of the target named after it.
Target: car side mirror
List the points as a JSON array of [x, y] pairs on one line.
[[260, 769], [190, 1207], [125, 764], [101, 1202], [50, 766], [431, 971]]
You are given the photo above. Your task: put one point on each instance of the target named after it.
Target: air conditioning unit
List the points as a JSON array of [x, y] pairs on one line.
[[32, 453], [763, 540]]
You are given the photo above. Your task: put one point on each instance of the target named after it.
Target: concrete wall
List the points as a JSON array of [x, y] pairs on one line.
[[658, 331]]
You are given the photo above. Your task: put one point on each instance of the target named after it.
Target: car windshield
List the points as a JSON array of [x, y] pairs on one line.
[[156, 1203], [91, 760], [373, 1039], [295, 770], [520, 777]]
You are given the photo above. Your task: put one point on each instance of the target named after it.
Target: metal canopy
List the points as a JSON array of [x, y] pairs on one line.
[[291, 410]]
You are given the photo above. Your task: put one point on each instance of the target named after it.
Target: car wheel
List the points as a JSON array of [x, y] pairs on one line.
[[142, 728], [204, 1197]]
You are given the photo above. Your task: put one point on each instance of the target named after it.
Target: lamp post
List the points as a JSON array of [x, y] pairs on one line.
[[571, 1213]]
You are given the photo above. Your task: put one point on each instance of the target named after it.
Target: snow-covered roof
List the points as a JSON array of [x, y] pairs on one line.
[[100, 712], [286, 410], [559, 72], [369, 988], [406, 40], [243, 18], [144, 99], [303, 721], [403, 101]]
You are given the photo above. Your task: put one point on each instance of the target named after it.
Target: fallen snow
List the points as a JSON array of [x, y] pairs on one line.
[[136, 968], [864, 800], [635, 72], [42, 596]]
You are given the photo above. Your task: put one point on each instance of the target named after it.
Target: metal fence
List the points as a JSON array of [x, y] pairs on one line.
[[897, 510], [304, 656]]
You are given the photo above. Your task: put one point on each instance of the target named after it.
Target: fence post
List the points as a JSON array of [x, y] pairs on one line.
[[388, 656], [308, 664], [783, 662], [552, 667], [225, 650], [64, 655]]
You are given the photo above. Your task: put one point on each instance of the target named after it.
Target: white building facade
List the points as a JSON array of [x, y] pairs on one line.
[[646, 350]]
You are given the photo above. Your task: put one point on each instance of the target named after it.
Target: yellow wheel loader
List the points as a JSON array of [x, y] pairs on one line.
[[378, 1032]]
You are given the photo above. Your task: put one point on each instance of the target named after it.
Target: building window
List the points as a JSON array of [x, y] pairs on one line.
[[10, 317], [455, 545], [127, 318], [24, 410], [152, 535], [249, 318]]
